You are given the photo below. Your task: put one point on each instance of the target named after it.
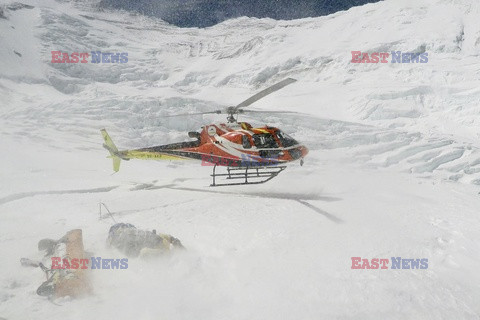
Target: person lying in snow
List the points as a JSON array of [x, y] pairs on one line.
[[62, 282], [140, 243], [74, 282]]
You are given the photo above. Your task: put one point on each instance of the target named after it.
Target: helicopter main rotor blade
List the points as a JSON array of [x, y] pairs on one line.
[[193, 114], [264, 93], [267, 111]]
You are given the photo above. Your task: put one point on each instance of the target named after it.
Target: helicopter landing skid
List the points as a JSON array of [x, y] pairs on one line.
[[236, 176]]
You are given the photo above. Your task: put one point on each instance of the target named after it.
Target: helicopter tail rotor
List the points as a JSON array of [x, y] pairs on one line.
[[110, 146]]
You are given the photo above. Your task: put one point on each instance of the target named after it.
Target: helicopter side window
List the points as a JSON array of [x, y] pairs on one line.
[[246, 142], [285, 139], [264, 140]]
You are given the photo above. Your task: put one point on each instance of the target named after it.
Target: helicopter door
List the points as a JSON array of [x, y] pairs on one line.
[[246, 142]]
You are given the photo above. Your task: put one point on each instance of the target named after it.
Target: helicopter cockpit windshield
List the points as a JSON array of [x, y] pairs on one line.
[[264, 140], [285, 139]]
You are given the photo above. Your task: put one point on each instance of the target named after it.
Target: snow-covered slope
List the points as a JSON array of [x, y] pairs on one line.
[[393, 168]]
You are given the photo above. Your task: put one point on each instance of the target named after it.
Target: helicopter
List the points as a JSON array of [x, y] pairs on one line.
[[250, 155]]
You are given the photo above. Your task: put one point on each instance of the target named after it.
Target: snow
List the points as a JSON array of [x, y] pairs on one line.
[[393, 169]]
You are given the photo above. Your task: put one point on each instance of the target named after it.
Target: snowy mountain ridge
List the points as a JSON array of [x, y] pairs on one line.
[[427, 103]]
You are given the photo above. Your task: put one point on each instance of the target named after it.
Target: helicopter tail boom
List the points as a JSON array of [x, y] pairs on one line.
[[154, 153]]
